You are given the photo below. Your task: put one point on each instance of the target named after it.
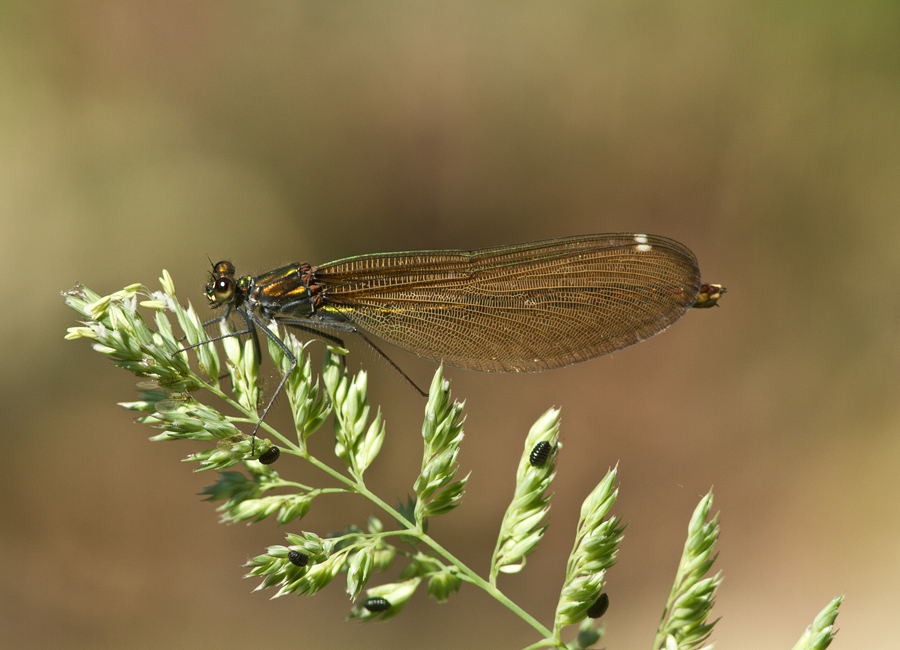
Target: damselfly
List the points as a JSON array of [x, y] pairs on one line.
[[521, 308]]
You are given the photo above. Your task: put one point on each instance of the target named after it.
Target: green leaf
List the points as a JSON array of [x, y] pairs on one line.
[[684, 620], [596, 546], [361, 564], [522, 526], [442, 433], [396, 593], [278, 571], [356, 442], [442, 584], [820, 634]]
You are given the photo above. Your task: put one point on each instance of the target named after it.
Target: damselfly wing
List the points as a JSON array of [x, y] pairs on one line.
[[521, 308]]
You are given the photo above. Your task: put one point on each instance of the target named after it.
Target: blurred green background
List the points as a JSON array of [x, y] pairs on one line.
[[137, 136]]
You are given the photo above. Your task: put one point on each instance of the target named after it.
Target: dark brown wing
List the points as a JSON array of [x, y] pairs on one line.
[[520, 308]]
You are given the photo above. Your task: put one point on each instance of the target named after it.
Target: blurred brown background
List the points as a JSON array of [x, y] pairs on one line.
[[138, 136]]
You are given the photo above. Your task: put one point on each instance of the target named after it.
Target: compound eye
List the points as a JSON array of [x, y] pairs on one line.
[[223, 290], [223, 268]]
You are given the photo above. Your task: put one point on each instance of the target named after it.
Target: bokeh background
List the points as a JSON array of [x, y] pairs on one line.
[[137, 136]]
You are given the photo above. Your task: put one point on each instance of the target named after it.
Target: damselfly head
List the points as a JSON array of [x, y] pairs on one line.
[[223, 268], [221, 287]]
